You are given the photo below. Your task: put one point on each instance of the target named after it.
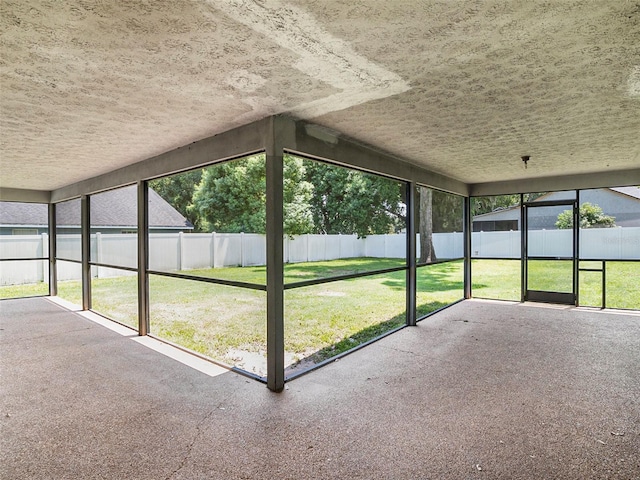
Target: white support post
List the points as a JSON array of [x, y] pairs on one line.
[[100, 272], [44, 252], [98, 247], [212, 262], [242, 249], [180, 251]]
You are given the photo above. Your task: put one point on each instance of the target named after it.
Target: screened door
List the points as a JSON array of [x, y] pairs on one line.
[[550, 260]]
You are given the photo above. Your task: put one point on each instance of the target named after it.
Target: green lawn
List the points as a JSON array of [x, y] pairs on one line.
[[321, 321], [500, 279]]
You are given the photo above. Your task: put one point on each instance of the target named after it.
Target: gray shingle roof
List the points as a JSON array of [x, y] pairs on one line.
[[631, 191], [114, 208]]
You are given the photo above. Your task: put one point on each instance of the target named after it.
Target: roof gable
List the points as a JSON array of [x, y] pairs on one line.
[[114, 208]]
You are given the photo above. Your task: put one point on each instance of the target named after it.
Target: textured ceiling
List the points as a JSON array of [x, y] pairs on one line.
[[461, 87]]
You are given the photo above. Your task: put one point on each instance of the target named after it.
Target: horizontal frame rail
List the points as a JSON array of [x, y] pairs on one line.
[[62, 259], [337, 278], [23, 259], [447, 260], [117, 267], [218, 281]]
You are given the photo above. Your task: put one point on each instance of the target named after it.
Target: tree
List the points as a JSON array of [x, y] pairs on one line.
[[349, 201], [481, 205], [447, 212], [591, 216], [317, 198], [231, 196], [297, 193], [425, 227], [178, 191]]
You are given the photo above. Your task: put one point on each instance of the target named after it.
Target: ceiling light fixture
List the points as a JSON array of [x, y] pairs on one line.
[[525, 159]]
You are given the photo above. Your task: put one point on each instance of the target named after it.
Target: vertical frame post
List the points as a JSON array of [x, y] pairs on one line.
[[524, 260], [466, 229], [275, 268], [53, 273], [411, 282], [604, 284], [143, 258], [576, 250], [85, 228]]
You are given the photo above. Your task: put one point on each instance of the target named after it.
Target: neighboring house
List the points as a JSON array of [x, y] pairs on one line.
[[114, 211], [622, 203]]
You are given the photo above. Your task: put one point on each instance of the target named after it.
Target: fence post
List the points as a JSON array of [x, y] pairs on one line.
[[242, 249], [44, 252], [99, 254], [180, 251], [212, 259], [287, 247], [307, 248], [619, 243]]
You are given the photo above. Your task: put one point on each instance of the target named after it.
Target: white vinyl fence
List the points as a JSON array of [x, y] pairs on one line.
[[178, 251]]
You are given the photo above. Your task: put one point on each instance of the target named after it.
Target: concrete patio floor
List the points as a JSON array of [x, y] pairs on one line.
[[482, 390]]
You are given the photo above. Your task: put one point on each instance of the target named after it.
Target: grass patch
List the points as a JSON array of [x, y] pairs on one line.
[[22, 291], [500, 279], [496, 279]]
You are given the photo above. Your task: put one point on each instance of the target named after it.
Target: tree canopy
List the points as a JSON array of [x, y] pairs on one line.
[[591, 216], [231, 197], [178, 190], [317, 198], [349, 201]]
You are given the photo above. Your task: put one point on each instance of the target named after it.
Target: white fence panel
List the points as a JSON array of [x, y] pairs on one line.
[[19, 272], [115, 249], [395, 245], [296, 249], [195, 250], [610, 243], [496, 244], [316, 248], [228, 251], [175, 252], [69, 246], [374, 246], [164, 252], [68, 271], [550, 243], [23, 246], [629, 242], [254, 249], [351, 246], [332, 247], [447, 245]]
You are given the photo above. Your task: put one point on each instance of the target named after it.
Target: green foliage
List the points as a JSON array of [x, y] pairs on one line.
[[481, 205], [230, 197], [297, 193], [178, 190], [317, 198], [349, 201], [591, 216], [447, 212]]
